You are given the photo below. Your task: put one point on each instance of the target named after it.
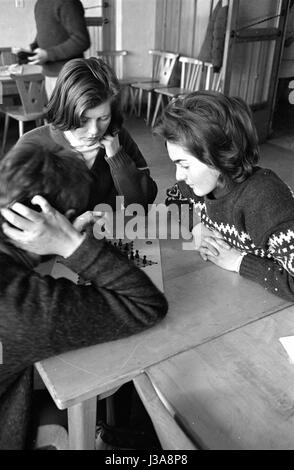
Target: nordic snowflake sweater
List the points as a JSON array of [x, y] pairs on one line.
[[257, 218]]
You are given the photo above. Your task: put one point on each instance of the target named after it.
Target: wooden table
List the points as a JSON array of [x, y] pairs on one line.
[[205, 302], [7, 84], [7, 87], [235, 391]]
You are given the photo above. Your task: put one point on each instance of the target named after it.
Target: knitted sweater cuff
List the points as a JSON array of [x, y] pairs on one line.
[[250, 267], [85, 255], [119, 160]]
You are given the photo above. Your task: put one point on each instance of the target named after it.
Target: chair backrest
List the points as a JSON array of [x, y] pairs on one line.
[[114, 59], [163, 65], [7, 57], [213, 80], [196, 75], [31, 89], [191, 73]]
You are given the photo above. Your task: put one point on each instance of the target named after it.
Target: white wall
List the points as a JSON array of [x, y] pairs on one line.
[[17, 25], [136, 33], [135, 29]]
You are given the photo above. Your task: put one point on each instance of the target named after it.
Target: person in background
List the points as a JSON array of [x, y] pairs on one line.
[[247, 212], [84, 116], [41, 316], [61, 35]]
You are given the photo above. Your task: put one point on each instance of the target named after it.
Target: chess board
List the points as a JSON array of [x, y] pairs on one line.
[[143, 253]]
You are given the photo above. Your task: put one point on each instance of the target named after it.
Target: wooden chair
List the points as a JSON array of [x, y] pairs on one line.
[[114, 59], [169, 432], [31, 89], [195, 75], [163, 66]]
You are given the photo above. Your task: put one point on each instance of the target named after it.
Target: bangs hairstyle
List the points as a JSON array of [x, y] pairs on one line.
[[217, 130], [29, 169], [83, 84]]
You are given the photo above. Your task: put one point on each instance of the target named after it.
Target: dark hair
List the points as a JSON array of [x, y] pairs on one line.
[[29, 169], [216, 129], [83, 84]]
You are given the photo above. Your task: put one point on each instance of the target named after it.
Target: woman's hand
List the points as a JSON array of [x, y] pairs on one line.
[[44, 233], [201, 234], [111, 144], [216, 250]]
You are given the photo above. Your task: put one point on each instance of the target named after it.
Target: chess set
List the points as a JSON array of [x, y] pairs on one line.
[[143, 253], [127, 248]]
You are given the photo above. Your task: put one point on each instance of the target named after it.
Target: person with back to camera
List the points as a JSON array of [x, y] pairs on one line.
[[62, 35], [84, 115], [41, 316], [247, 212]]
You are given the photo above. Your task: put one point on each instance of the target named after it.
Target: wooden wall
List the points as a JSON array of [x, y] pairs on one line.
[[253, 61], [181, 25]]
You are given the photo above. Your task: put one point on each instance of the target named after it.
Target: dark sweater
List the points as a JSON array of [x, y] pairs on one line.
[[257, 218], [41, 317], [61, 31], [125, 174]]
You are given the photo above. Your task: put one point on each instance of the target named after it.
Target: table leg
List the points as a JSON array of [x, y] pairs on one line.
[[82, 425]]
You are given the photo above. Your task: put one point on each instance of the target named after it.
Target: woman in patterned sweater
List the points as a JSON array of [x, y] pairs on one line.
[[247, 212]]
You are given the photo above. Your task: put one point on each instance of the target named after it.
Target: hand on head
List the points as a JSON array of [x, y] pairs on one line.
[[43, 233], [86, 219]]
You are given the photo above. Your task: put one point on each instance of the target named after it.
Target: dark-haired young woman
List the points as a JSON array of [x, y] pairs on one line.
[[84, 116], [247, 212]]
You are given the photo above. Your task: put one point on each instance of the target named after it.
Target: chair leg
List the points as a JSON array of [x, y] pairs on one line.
[[149, 107], [6, 124], [158, 103], [20, 128], [125, 98], [140, 102], [132, 100]]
